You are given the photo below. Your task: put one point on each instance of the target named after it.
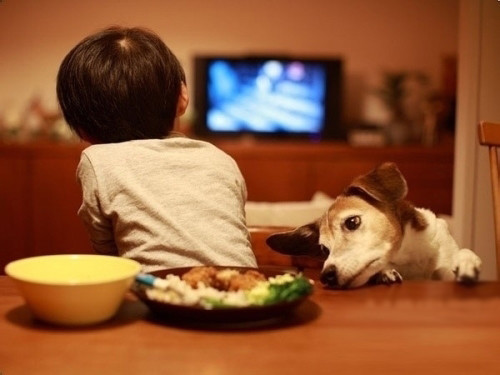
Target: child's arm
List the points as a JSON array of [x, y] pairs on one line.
[[98, 226]]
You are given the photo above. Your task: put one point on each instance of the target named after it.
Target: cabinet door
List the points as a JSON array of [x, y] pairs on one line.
[[15, 200], [276, 180], [430, 183], [333, 176], [56, 199], [429, 179]]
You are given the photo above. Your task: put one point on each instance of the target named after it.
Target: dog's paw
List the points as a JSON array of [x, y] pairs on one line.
[[467, 267], [388, 277]]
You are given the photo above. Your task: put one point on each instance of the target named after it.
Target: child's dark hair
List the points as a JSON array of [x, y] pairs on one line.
[[120, 84]]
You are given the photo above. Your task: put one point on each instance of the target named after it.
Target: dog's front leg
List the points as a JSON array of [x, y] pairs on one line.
[[390, 276]]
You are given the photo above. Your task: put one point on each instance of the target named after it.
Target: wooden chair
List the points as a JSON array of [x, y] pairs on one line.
[[489, 135]]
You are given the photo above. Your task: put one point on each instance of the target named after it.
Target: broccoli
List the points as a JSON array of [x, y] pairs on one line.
[[288, 291]]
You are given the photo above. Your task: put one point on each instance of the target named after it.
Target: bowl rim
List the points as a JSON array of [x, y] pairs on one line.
[[10, 265]]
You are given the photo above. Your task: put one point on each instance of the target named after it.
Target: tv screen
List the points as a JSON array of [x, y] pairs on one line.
[[268, 96]]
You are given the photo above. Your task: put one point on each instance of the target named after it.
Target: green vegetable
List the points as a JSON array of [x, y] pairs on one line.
[[282, 288], [216, 303], [288, 291]]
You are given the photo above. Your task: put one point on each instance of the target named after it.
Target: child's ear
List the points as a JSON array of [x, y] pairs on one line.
[[183, 101]]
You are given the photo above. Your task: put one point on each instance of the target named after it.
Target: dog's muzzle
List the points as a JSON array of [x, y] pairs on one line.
[[329, 276]]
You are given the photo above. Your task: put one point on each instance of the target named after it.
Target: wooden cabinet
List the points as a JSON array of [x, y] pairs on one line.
[[39, 198], [55, 199], [39, 195], [15, 202], [295, 171]]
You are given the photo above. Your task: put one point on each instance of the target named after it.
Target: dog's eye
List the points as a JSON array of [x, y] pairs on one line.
[[352, 222]]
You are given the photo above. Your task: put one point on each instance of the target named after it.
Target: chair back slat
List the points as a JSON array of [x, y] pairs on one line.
[[489, 135]]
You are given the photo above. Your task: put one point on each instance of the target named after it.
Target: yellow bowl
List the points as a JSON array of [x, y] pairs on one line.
[[73, 289]]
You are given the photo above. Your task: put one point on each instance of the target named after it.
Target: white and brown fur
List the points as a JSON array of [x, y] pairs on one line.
[[371, 233]]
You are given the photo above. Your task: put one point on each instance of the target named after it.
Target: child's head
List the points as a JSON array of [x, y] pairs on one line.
[[121, 84]]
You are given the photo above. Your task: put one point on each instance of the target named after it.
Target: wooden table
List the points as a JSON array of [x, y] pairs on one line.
[[412, 328]]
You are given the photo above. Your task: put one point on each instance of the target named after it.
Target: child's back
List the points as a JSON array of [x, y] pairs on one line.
[[172, 202]]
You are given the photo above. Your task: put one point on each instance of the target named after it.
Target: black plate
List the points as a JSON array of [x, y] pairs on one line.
[[198, 314]]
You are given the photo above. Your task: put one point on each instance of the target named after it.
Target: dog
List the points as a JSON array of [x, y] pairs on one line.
[[371, 234]]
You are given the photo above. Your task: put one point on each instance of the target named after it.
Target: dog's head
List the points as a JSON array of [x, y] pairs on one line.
[[358, 233]]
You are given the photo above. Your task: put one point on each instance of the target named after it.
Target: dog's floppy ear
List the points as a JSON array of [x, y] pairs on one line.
[[384, 184], [303, 240]]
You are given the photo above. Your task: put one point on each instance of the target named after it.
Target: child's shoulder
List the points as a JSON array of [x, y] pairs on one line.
[[169, 145]]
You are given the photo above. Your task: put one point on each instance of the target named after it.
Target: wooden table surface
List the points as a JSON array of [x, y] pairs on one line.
[[412, 328]]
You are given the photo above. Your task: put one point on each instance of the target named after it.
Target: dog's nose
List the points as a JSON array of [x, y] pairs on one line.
[[329, 276]]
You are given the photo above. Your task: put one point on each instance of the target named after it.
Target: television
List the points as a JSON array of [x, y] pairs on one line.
[[268, 96]]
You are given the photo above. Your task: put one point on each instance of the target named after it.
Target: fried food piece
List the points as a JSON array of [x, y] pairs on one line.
[[245, 281], [226, 279], [203, 274], [223, 278]]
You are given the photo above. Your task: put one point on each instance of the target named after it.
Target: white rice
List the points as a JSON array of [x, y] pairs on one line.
[[176, 291]]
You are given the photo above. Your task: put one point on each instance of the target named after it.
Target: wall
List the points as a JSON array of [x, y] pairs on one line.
[[478, 99], [370, 35]]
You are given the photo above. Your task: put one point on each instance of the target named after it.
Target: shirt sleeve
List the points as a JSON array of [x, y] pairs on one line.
[[98, 226]]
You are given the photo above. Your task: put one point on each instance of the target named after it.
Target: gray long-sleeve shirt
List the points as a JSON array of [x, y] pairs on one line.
[[170, 202]]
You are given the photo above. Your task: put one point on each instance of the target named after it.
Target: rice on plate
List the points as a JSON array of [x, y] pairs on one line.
[[228, 288]]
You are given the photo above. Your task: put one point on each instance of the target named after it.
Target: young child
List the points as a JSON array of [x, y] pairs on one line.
[[148, 193]]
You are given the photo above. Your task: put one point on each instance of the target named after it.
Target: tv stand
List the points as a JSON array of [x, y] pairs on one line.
[[295, 170]]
